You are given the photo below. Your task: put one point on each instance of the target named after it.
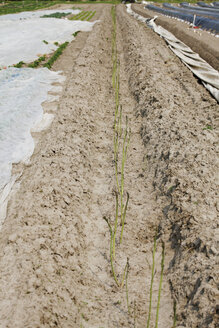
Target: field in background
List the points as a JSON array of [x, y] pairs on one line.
[[10, 7]]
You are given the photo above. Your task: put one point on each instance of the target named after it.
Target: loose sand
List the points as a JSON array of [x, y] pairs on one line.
[[54, 258]]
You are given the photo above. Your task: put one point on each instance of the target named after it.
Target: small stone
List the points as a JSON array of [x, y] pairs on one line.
[[214, 251], [12, 238]]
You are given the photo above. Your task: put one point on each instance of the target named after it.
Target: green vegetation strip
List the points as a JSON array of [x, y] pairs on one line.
[[56, 54], [37, 62], [19, 65], [77, 16], [52, 59], [84, 15], [92, 15], [50, 62], [12, 7], [56, 15]]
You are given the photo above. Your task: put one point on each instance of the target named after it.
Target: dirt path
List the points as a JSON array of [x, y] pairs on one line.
[[55, 265]]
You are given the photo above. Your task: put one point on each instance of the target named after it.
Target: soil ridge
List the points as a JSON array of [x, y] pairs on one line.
[[179, 132]]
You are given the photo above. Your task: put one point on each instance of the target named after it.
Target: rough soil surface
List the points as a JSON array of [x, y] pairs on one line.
[[54, 259], [181, 159], [201, 42]]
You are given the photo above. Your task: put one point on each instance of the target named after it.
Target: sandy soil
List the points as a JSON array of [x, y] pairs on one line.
[[54, 244]]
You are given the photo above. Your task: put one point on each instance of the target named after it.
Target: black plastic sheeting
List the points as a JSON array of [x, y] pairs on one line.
[[211, 13], [202, 22], [203, 4], [189, 7]]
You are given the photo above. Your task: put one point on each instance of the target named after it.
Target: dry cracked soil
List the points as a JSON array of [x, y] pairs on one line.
[[55, 245]]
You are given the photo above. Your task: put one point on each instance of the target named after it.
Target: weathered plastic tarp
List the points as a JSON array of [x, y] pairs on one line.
[[22, 92], [202, 22], [207, 74]]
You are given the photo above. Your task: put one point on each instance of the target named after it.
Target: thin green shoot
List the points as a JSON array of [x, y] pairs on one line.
[[111, 250], [111, 256], [160, 284], [124, 216], [124, 275], [124, 156], [115, 226], [122, 171], [126, 286], [114, 71], [117, 86], [120, 122], [116, 102]]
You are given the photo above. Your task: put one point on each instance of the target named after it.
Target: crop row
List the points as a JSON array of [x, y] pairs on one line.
[[84, 15], [43, 58], [122, 134]]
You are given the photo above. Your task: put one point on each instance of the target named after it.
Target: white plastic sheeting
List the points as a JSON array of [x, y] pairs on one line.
[[4, 197], [207, 74], [22, 40], [21, 93], [36, 14]]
